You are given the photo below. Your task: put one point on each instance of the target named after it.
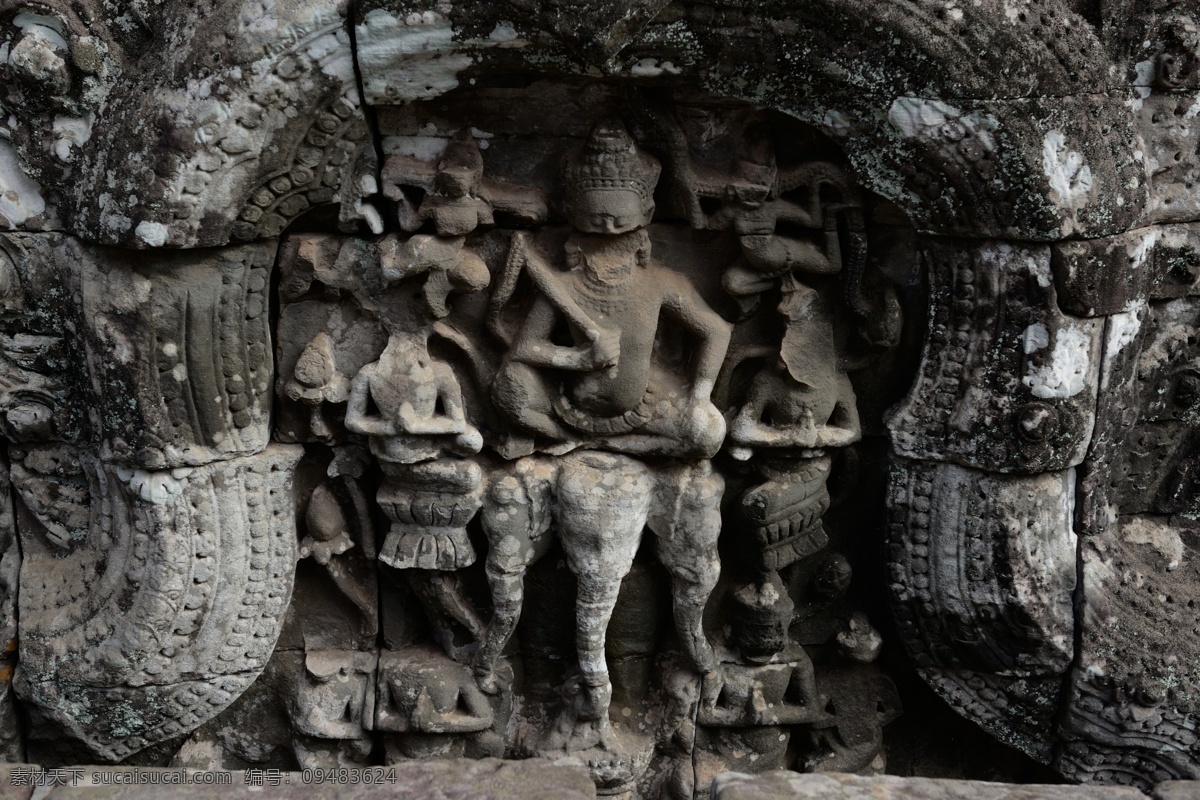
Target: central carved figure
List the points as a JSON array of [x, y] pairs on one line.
[[608, 303], [583, 374]]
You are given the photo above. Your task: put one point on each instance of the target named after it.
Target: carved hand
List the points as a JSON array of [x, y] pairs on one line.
[[606, 348], [705, 425], [469, 442], [408, 415]]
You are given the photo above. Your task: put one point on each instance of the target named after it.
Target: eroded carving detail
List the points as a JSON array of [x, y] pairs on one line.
[[569, 447], [182, 613], [562, 393]]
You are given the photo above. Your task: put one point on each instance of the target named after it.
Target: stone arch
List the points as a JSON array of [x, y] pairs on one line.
[[978, 120], [981, 121], [888, 84]]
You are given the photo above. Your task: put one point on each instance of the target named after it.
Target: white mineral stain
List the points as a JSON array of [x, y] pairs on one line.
[[332, 52], [1143, 73], [1142, 81], [651, 68], [417, 56], [504, 33], [49, 28], [837, 123], [70, 133], [1140, 251], [153, 234], [913, 115], [153, 487], [1122, 328], [1004, 257], [1067, 172], [1066, 372], [1035, 338], [20, 196], [424, 148], [1163, 537], [932, 120], [1193, 110], [1171, 335], [398, 56]]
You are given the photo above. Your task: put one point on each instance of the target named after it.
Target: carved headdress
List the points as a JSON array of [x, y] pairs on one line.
[[611, 160]]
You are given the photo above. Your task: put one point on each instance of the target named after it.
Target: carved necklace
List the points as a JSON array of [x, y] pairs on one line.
[[607, 296]]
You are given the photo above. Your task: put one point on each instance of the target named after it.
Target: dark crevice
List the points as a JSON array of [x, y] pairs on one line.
[[1077, 608], [371, 119], [1077, 596], [370, 115], [10, 497]]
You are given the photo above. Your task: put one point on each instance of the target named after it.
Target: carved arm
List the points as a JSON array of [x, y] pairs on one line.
[[357, 420], [533, 346], [449, 392], [685, 303]]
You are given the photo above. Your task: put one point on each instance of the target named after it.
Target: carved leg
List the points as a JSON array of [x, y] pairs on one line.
[[687, 522], [804, 683], [604, 501], [508, 596], [521, 392], [516, 516], [593, 610]]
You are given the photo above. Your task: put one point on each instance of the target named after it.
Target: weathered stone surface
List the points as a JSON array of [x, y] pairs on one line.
[[12, 737], [1097, 277], [1138, 458], [225, 152], [191, 340], [45, 372], [562, 428], [1136, 676], [152, 599], [9, 790], [487, 779], [986, 611], [160, 363], [955, 165], [251, 124], [1007, 381], [1177, 790]]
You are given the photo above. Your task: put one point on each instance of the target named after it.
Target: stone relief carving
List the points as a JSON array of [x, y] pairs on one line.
[[501, 380], [577, 393]]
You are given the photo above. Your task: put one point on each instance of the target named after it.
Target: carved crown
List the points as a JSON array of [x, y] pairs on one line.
[[612, 160]]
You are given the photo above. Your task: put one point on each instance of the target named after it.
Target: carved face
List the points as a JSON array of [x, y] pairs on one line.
[[609, 211]]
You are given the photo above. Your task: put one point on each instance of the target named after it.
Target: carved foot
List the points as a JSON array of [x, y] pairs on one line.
[[583, 723], [594, 741], [593, 698], [486, 680], [711, 685]]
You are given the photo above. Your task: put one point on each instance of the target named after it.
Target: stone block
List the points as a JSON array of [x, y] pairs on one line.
[[795, 786]]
